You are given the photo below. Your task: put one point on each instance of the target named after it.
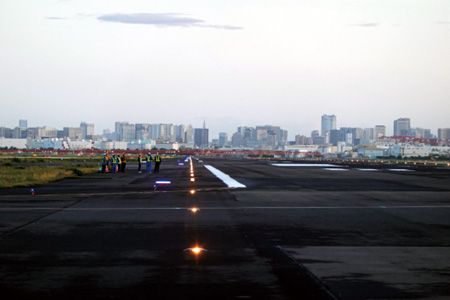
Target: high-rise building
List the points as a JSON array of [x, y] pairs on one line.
[[142, 131], [303, 140], [335, 136], [223, 139], [328, 124], [74, 133], [369, 134], [154, 131], [87, 130], [421, 133], [201, 138], [119, 130], [402, 126], [183, 133], [444, 133], [5, 132], [23, 123], [247, 134], [237, 139], [188, 133], [129, 132], [380, 130], [273, 135], [357, 135], [170, 133], [125, 131], [19, 133], [45, 132]]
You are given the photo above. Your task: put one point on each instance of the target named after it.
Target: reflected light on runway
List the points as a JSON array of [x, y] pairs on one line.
[[195, 250]]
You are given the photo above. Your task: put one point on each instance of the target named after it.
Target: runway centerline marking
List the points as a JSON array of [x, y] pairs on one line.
[[230, 182], [222, 208], [308, 165]]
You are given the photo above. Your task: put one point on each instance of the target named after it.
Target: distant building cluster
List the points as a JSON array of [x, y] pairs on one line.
[[140, 136], [265, 137], [329, 141]]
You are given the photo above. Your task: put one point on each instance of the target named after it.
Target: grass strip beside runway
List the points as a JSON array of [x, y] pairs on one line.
[[11, 176]]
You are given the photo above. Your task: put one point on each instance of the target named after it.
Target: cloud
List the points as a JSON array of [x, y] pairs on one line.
[[161, 20], [367, 24], [444, 23], [56, 18]]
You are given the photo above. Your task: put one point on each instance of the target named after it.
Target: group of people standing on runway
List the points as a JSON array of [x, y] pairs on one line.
[[119, 162]]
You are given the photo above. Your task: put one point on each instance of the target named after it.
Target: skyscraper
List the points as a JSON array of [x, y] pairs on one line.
[[201, 138], [142, 131], [23, 123], [380, 130], [328, 124], [402, 126], [87, 130], [125, 131], [444, 133], [223, 139]]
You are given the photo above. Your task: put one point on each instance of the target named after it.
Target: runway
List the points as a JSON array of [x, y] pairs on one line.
[[296, 232]]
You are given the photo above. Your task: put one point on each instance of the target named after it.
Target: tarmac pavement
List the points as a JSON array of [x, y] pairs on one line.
[[294, 232]]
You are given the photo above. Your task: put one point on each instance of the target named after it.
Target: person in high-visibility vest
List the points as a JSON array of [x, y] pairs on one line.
[[113, 163], [119, 163], [157, 159], [148, 163], [139, 163], [104, 163]]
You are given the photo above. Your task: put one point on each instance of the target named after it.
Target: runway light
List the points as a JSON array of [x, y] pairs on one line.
[[192, 192], [196, 250], [163, 182], [194, 210], [192, 179]]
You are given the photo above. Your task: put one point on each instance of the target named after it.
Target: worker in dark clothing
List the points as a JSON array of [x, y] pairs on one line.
[[157, 159], [139, 163], [124, 163]]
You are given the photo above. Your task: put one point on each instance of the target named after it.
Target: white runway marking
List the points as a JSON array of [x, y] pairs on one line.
[[230, 182], [307, 165], [368, 170], [401, 170], [335, 169]]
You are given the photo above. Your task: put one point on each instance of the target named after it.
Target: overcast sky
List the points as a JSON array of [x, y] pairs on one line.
[[231, 63]]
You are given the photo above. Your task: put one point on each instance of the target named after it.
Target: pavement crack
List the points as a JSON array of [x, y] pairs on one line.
[[57, 210]]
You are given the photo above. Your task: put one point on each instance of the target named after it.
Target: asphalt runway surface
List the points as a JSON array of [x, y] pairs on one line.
[[294, 232]]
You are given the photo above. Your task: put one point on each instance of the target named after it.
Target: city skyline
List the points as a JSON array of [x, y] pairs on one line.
[[284, 63], [328, 124]]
